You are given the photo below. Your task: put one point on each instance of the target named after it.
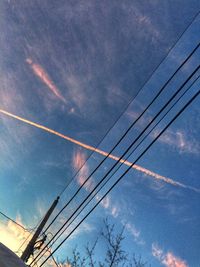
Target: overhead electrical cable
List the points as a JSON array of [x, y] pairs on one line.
[[54, 260], [32, 230], [174, 95], [121, 158], [132, 99], [138, 158], [190, 23], [121, 114], [18, 224], [130, 127], [148, 133], [19, 249], [96, 193]]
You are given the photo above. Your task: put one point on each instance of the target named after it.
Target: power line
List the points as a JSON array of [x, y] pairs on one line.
[[49, 250], [132, 151], [93, 196], [32, 230], [171, 77], [35, 264], [127, 150], [153, 141], [19, 249], [18, 224], [54, 260], [129, 128], [132, 99]]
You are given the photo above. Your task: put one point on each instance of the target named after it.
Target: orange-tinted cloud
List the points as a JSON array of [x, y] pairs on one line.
[[88, 147], [44, 77], [172, 261], [168, 259]]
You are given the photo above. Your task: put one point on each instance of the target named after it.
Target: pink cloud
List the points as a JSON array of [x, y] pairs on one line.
[[172, 261], [167, 259], [79, 164], [44, 77], [79, 160]]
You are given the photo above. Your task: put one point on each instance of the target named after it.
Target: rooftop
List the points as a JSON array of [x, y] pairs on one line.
[[9, 258]]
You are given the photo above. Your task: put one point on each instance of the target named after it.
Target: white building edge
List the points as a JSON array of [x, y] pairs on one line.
[[9, 258]]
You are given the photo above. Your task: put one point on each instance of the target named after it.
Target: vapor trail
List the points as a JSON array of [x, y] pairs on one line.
[[44, 77], [99, 151]]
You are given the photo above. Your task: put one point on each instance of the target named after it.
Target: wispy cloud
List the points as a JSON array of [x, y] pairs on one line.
[[79, 160], [133, 230], [180, 141], [112, 209], [99, 151], [84, 228], [79, 164], [115, 211], [167, 259], [44, 77], [144, 22], [76, 91]]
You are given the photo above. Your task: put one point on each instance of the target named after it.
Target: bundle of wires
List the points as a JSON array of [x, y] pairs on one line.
[[166, 109]]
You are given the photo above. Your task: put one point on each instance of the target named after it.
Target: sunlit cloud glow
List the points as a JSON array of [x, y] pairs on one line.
[[12, 236], [44, 77], [91, 148], [168, 259]]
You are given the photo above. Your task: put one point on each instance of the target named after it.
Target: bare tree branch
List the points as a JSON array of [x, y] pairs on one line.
[[115, 255]]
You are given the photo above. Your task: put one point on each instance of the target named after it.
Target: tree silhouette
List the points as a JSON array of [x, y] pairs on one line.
[[115, 255]]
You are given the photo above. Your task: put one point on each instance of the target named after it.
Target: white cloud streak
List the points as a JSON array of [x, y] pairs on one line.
[[99, 151], [179, 140]]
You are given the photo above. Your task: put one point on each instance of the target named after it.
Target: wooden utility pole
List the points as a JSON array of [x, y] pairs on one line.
[[30, 247]]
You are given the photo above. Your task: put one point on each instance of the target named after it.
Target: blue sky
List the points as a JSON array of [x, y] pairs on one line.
[[74, 66]]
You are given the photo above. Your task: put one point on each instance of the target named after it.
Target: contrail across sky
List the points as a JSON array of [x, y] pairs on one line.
[[44, 77], [88, 147]]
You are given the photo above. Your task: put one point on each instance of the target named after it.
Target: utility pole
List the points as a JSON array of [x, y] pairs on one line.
[[30, 247]]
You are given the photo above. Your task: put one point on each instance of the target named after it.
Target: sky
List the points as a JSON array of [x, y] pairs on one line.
[[74, 76]]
